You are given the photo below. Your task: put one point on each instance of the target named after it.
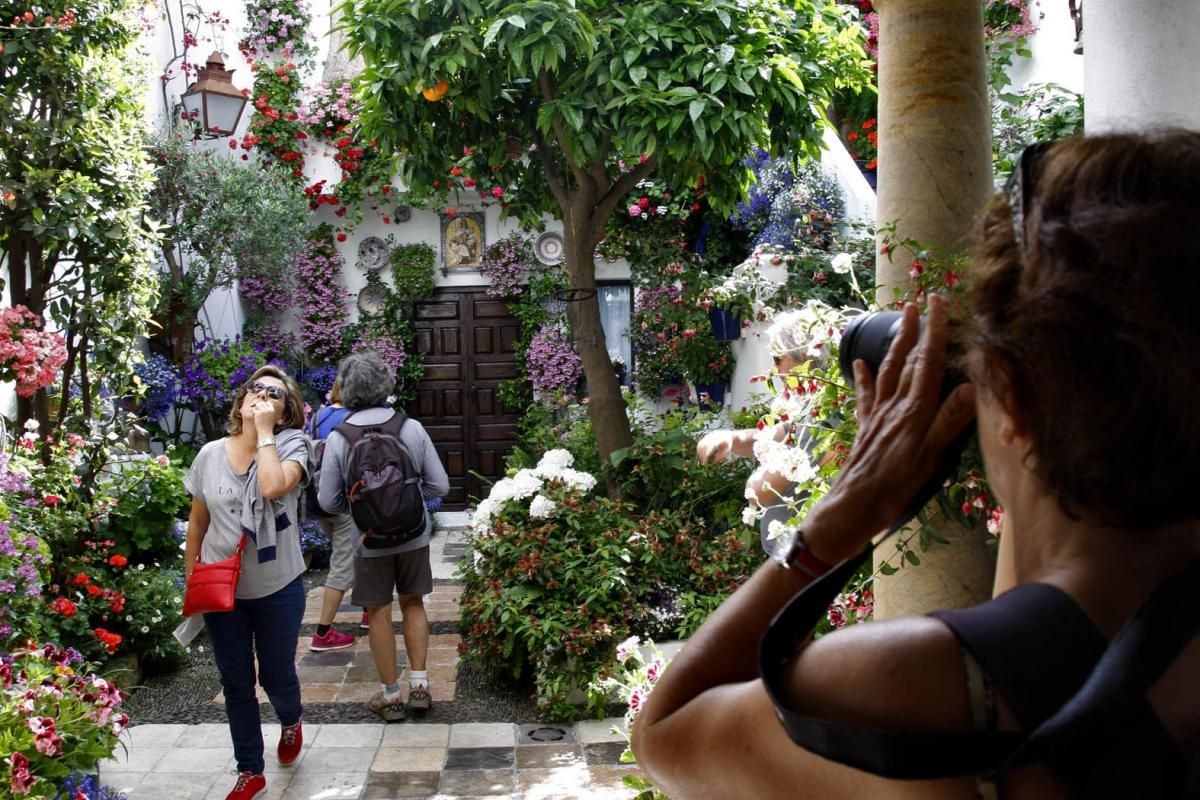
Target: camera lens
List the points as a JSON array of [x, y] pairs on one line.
[[868, 337]]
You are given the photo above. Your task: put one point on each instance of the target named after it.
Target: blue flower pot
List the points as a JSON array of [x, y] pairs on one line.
[[710, 394], [726, 325]]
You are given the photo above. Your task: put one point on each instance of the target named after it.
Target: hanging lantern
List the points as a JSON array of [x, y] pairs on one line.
[[212, 103]]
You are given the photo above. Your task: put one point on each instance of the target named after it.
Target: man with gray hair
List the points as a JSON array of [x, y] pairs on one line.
[[366, 381]]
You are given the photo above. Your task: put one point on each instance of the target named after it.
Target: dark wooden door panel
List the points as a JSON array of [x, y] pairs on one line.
[[469, 343]]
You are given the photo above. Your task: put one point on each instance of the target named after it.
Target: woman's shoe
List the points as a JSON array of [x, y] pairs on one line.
[[248, 787], [291, 739]]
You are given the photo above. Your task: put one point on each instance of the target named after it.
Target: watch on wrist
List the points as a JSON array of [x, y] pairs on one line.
[[791, 552], [270, 440]]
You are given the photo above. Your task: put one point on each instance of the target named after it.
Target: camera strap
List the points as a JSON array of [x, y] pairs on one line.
[[1098, 727]]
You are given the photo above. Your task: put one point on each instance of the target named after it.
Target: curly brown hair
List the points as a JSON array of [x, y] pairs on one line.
[[1090, 334], [293, 404]]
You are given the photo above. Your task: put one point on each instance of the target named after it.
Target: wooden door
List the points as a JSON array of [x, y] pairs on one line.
[[469, 343]]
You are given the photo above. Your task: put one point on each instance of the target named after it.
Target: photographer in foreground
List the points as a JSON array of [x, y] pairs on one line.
[[1081, 346]]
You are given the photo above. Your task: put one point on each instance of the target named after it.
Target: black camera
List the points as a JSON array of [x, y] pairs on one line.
[[869, 337]]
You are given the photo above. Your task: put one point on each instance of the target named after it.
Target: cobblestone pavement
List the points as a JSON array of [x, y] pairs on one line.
[[460, 750]]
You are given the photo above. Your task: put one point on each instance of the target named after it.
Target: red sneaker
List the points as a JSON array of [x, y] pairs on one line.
[[248, 787], [291, 737], [332, 640], [366, 622]]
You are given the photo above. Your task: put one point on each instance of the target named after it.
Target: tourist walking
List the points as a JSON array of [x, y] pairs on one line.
[[379, 569], [340, 529], [249, 482]]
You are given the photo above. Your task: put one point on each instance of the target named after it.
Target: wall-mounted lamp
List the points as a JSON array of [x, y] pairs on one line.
[[212, 103]]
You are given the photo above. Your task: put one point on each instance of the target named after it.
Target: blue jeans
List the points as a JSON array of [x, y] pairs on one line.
[[269, 626]]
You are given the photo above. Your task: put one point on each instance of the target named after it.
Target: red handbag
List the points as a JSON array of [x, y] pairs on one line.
[[212, 587]]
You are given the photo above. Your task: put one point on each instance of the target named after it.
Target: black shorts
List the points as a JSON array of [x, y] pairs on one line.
[[375, 579]]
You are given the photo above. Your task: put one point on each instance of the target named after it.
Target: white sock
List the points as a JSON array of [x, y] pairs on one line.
[[418, 679], [391, 691]]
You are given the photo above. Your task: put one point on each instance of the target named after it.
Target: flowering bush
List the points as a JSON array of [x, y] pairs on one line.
[[313, 538], [746, 291], [653, 230], [787, 206], [864, 144], [28, 355], [548, 579], [383, 342], [56, 718], [322, 303], [553, 366], [317, 383], [632, 685], [159, 380], [24, 560], [507, 264], [214, 371]]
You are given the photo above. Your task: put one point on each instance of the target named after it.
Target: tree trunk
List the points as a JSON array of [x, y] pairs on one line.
[[606, 405]]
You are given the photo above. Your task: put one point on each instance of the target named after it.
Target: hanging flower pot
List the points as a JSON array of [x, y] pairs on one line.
[[726, 325], [710, 394], [435, 93]]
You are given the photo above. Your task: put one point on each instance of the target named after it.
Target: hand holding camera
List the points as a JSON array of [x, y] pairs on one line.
[[908, 429]]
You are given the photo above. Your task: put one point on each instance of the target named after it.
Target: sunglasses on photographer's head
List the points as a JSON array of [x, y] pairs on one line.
[[273, 392], [1020, 187]]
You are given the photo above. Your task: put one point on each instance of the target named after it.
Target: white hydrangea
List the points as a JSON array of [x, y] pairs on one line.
[[541, 507], [842, 263], [582, 481], [553, 462]]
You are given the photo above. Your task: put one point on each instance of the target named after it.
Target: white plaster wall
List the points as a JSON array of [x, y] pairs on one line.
[[1140, 71], [1052, 49]]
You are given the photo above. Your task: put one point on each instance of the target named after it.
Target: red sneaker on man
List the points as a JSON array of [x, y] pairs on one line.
[[366, 621], [248, 787], [291, 737], [332, 640]]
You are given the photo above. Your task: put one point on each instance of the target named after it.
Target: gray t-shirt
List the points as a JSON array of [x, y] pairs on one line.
[[213, 481], [434, 481]]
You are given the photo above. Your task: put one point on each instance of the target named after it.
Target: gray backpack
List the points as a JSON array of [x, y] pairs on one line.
[[383, 483]]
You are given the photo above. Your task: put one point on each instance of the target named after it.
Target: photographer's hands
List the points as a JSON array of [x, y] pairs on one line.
[[903, 430]]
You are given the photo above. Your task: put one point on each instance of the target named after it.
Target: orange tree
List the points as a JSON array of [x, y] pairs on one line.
[[560, 108]]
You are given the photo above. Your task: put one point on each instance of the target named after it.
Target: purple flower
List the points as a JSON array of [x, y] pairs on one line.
[[552, 363], [7, 587]]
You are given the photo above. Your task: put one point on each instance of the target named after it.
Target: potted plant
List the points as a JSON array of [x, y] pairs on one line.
[[707, 364], [741, 295]]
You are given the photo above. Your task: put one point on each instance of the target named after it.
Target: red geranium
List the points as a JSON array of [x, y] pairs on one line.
[[64, 606], [118, 560]]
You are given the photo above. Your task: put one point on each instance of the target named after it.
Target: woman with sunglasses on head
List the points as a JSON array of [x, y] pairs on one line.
[[249, 484], [1079, 678]]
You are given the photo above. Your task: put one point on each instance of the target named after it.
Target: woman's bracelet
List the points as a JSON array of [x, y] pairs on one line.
[[265, 443]]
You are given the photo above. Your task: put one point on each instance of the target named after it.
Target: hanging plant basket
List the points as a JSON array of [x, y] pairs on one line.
[[726, 325]]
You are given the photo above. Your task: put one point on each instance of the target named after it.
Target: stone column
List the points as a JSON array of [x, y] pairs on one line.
[[1139, 65], [935, 174]]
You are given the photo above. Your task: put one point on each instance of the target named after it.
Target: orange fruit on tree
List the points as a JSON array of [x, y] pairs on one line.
[[435, 93]]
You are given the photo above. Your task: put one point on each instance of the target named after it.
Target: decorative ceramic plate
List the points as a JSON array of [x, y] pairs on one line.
[[371, 300], [372, 253], [549, 248], [402, 214]]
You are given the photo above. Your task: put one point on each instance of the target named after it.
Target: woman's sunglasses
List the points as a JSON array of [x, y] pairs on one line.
[[273, 392], [1020, 187]]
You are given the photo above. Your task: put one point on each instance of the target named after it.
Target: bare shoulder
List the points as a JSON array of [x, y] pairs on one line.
[[906, 672]]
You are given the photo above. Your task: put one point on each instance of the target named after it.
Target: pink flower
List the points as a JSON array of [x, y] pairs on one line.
[[637, 700], [635, 210], [915, 270], [655, 670], [497, 191], [162, 460]]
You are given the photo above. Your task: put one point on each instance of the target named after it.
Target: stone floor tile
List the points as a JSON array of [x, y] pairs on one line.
[[610, 776], [356, 692], [178, 785], [549, 756], [479, 757], [409, 759], [338, 759], [417, 735], [604, 753], [135, 758], [483, 734], [121, 781], [391, 785], [325, 786], [363, 673], [592, 731], [360, 735], [478, 782], [542, 733], [327, 658], [566, 783], [154, 735], [321, 674], [207, 760], [318, 692], [208, 734]]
